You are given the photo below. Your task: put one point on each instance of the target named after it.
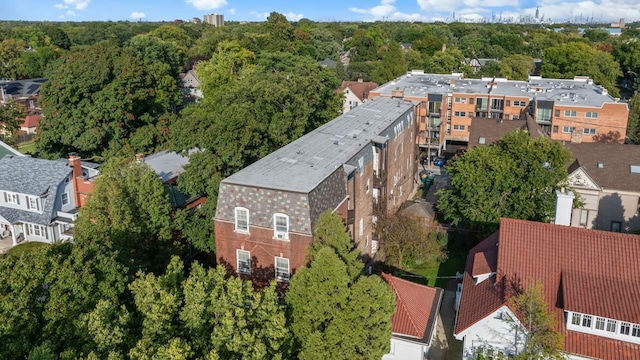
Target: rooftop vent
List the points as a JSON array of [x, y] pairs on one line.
[[600, 165], [335, 142]]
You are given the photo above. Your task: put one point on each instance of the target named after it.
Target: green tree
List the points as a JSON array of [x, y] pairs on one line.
[[174, 35], [579, 59], [98, 98], [444, 62], [334, 316], [153, 51], [331, 231], [360, 70], [633, 125], [392, 64], [279, 34], [517, 67], [11, 116], [515, 178], [490, 69], [57, 37], [37, 62], [543, 341], [10, 52]]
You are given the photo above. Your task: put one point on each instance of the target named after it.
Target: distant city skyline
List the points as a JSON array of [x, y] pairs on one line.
[[329, 10]]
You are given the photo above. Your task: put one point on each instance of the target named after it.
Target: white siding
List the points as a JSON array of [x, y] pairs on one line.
[[406, 350]]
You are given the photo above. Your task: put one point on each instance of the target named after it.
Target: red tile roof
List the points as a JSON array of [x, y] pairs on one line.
[[416, 307], [31, 121], [530, 252], [359, 88]]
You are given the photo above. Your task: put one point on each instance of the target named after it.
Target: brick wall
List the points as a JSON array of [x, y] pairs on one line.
[[611, 118]]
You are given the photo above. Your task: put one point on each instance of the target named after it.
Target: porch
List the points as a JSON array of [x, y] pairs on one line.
[[6, 242]]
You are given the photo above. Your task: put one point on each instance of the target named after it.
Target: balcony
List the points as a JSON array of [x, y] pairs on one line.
[[379, 181]]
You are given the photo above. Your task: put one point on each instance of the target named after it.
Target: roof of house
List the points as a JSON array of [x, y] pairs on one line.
[[416, 308], [329, 63], [27, 175], [303, 164], [616, 160], [418, 208], [579, 269], [22, 88], [8, 150], [167, 164], [31, 121], [579, 91], [494, 129], [359, 88]]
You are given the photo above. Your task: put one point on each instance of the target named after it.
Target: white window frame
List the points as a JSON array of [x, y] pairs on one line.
[[11, 198], [570, 113], [459, 127], [591, 115], [33, 203], [460, 113], [589, 131], [280, 274], [568, 129], [244, 269], [584, 217], [237, 222], [367, 186], [361, 227], [62, 197], [279, 234], [460, 100], [41, 232]]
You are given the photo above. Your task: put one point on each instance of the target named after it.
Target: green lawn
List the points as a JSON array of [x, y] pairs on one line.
[[27, 147], [25, 247], [437, 273]]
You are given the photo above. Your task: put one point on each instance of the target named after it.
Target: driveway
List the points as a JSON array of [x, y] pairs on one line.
[[445, 346]]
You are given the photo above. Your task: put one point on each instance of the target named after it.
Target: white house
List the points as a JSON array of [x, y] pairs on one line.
[[590, 281], [39, 198], [414, 322], [355, 93]]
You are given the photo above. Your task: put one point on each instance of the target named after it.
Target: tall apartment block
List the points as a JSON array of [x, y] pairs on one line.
[[574, 110], [357, 165], [214, 19]]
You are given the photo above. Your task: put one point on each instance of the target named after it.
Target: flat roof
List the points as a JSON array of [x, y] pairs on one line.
[[580, 91], [305, 163]]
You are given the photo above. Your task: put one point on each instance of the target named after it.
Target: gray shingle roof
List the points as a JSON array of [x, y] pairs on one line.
[[27, 175], [306, 162], [14, 215], [616, 160]]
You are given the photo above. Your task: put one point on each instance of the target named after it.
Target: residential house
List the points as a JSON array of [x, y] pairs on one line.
[[169, 165], [414, 322], [5, 149], [328, 63], [485, 131], [405, 46], [607, 179], [24, 92], [358, 163], [477, 64], [39, 198], [30, 124], [588, 277], [355, 93], [190, 86], [568, 110]]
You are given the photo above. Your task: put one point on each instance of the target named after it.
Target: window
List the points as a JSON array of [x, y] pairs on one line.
[[459, 113], [366, 242], [281, 226], [471, 101], [575, 319], [556, 113], [611, 325], [589, 131], [555, 129], [591, 115], [516, 117], [37, 230], [543, 114], [242, 219], [282, 269], [586, 320], [33, 203], [616, 226], [461, 100], [600, 323], [458, 127], [508, 103], [519, 103], [367, 186], [636, 331], [568, 129], [584, 215], [625, 328], [11, 198], [243, 260], [361, 227], [482, 141], [570, 113], [64, 197]]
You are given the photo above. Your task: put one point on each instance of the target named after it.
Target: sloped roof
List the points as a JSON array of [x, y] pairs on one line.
[[27, 175], [493, 129], [416, 308], [418, 208], [329, 63], [616, 159], [8, 150], [23, 88], [31, 121], [167, 164], [359, 88], [530, 252]]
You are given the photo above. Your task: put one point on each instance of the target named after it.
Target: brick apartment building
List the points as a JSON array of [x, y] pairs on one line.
[[571, 110], [358, 163]]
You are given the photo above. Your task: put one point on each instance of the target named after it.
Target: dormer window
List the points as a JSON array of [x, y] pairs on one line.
[[11, 198], [33, 203]]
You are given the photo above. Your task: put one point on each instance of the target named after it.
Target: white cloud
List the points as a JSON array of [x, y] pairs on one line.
[[78, 4], [136, 15], [207, 4], [71, 13], [60, 6], [293, 16], [232, 11], [61, 17], [386, 2], [387, 11]]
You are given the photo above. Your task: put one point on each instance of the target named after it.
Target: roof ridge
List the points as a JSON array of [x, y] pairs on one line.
[[390, 280]]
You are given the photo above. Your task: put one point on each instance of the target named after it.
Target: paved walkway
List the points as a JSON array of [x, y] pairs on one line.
[[445, 346]]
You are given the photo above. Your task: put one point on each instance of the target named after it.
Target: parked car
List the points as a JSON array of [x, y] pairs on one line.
[[439, 161]]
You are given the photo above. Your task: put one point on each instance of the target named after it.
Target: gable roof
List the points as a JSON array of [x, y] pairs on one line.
[[530, 252], [27, 175], [31, 121], [416, 308], [329, 63], [616, 160], [493, 129], [359, 88]]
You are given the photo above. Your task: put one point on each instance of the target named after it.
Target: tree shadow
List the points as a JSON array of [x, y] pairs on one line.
[[610, 214], [260, 277], [609, 138]]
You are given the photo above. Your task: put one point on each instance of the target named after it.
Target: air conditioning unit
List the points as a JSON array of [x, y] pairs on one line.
[[281, 236]]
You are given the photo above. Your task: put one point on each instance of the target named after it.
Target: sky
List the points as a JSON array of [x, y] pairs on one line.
[[322, 10]]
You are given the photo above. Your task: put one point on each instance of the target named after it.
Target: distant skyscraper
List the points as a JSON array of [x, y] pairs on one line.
[[537, 11], [214, 19], [454, 15]]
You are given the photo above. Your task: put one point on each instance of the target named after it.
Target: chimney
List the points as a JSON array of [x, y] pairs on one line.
[[564, 207], [359, 80], [76, 166]]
